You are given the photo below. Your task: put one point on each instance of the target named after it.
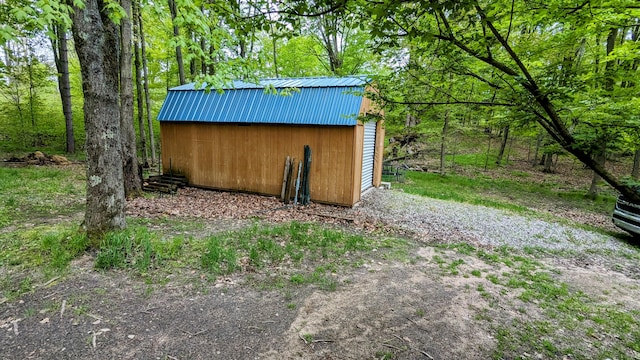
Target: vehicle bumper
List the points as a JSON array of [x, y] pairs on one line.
[[627, 221]]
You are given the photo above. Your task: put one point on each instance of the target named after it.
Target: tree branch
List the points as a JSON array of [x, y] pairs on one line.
[[433, 103]]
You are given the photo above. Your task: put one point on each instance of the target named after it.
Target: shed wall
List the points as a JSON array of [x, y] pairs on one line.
[[251, 157]]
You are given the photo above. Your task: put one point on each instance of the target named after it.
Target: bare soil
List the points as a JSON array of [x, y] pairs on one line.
[[382, 309]]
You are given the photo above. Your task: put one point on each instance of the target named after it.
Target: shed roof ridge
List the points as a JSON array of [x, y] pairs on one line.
[[282, 83]]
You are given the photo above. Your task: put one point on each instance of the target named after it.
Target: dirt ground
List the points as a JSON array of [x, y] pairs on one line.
[[381, 310], [112, 318], [408, 311]]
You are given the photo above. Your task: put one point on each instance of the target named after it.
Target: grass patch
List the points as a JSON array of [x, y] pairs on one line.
[[49, 247], [36, 192], [477, 160], [277, 256], [497, 193], [137, 248], [317, 253]]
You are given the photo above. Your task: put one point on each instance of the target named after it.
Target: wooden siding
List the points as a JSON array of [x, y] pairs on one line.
[[251, 157]]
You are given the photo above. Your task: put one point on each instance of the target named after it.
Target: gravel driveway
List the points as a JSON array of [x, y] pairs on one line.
[[451, 222]]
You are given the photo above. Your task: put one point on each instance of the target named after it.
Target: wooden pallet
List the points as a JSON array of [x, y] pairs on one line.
[[168, 184]]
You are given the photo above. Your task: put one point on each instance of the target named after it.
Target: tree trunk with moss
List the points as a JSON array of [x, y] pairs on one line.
[[96, 37]]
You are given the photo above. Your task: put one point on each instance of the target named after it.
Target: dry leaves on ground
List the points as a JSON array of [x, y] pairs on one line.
[[215, 205]]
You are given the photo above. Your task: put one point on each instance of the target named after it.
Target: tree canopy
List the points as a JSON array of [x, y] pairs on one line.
[[567, 67]]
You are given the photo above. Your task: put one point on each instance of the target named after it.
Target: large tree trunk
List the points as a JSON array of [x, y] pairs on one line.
[[96, 42], [131, 170], [176, 33], [139, 99], [61, 57], [147, 96]]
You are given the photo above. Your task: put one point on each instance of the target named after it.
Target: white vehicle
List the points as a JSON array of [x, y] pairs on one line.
[[626, 216]]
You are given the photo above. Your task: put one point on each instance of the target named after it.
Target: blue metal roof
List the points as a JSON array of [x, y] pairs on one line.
[[316, 101], [280, 83]]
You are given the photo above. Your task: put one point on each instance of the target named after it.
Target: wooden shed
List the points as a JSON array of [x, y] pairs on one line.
[[238, 139]]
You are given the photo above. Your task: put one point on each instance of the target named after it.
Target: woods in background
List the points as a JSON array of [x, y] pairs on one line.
[[559, 73]]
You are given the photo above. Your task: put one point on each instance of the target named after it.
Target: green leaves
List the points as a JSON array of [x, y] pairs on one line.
[[115, 11]]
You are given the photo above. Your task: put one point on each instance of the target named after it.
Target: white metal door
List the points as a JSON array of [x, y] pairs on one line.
[[368, 153]]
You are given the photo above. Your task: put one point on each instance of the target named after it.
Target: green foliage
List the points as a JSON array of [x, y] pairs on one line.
[[514, 63], [31, 116], [298, 57]]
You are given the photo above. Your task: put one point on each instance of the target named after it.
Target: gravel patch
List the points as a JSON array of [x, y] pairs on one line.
[[443, 221]]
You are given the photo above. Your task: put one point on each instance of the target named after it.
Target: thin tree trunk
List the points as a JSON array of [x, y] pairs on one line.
[[31, 93], [445, 130], [609, 78], [635, 171], [131, 170], [193, 68], [609, 83], [548, 163], [275, 55], [176, 34], [538, 145], [593, 189], [486, 159], [139, 99], [203, 63], [61, 57], [443, 139], [503, 144], [96, 38], [147, 96]]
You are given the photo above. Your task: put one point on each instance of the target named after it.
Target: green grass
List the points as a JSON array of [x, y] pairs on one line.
[[316, 253], [34, 192], [477, 160], [291, 254], [37, 254], [135, 247], [497, 193], [50, 247]]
